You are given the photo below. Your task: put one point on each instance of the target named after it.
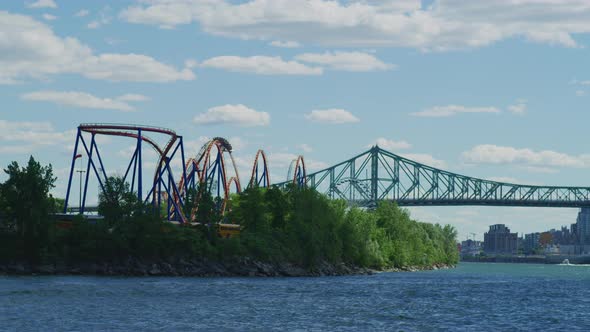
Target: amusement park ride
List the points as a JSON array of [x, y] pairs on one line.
[[213, 168], [364, 180]]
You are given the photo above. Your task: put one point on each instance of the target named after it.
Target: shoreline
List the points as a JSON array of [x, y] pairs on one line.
[[244, 267], [552, 260]]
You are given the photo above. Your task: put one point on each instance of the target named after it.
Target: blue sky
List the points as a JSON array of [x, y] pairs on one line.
[[487, 89]]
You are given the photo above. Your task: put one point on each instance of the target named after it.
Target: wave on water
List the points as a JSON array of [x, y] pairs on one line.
[[570, 264]]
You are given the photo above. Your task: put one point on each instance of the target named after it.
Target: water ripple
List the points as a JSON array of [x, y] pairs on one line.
[[484, 297]]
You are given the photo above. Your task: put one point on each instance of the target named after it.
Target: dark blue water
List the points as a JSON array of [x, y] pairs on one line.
[[487, 297]]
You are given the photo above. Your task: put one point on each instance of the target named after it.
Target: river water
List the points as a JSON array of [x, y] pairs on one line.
[[474, 296]]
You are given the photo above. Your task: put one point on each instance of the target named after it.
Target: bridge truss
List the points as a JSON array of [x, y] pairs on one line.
[[379, 175]]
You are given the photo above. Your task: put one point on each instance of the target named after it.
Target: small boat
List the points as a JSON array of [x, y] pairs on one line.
[[565, 262]]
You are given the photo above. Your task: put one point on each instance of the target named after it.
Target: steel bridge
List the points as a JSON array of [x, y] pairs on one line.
[[379, 175]]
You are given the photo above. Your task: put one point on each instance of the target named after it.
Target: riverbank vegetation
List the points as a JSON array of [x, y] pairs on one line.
[[298, 225]]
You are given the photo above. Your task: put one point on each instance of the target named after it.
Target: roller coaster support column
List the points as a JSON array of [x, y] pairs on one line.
[[87, 173], [139, 177], [72, 171]]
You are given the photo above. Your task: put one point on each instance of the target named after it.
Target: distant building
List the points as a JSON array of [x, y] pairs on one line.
[[574, 231], [531, 242], [551, 249], [573, 249], [563, 236], [583, 226], [470, 248], [499, 240]]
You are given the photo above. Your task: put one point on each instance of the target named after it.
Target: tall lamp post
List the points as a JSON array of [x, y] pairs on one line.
[[81, 171]]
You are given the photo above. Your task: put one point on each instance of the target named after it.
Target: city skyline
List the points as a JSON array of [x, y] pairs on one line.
[[500, 98]]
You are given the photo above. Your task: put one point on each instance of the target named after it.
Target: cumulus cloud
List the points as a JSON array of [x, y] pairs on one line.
[[348, 61], [451, 110], [285, 44], [84, 100], [494, 154], [442, 25], [519, 107], [283, 160], [133, 97], [132, 68], [25, 137], [332, 116], [49, 17], [104, 17], [30, 49], [304, 147], [82, 13], [425, 159], [391, 145], [265, 65], [239, 115], [504, 179], [42, 4]]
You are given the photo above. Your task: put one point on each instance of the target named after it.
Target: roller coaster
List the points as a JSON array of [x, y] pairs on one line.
[[363, 180], [213, 169]]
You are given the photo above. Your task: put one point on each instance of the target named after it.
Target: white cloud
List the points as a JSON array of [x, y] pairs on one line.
[[104, 18], [82, 13], [539, 169], [519, 107], [425, 159], [282, 160], [451, 110], [493, 154], [580, 93], [42, 4], [237, 143], [84, 100], [192, 147], [391, 145], [333, 116], [233, 114], [442, 25], [133, 97], [30, 136], [264, 65], [304, 147], [132, 68], [49, 17], [348, 61], [30, 49], [285, 44], [504, 179]]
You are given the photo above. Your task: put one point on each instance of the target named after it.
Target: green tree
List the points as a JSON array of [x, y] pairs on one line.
[[117, 202], [26, 202]]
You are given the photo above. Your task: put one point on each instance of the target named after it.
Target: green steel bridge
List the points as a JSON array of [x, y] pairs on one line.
[[379, 175]]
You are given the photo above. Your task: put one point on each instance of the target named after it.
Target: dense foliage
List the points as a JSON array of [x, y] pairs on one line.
[[299, 226], [25, 206], [304, 227]]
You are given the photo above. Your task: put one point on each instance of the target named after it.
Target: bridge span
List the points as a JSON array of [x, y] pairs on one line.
[[378, 175]]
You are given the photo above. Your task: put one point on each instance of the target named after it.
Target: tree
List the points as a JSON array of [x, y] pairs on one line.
[[117, 201], [26, 202]]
